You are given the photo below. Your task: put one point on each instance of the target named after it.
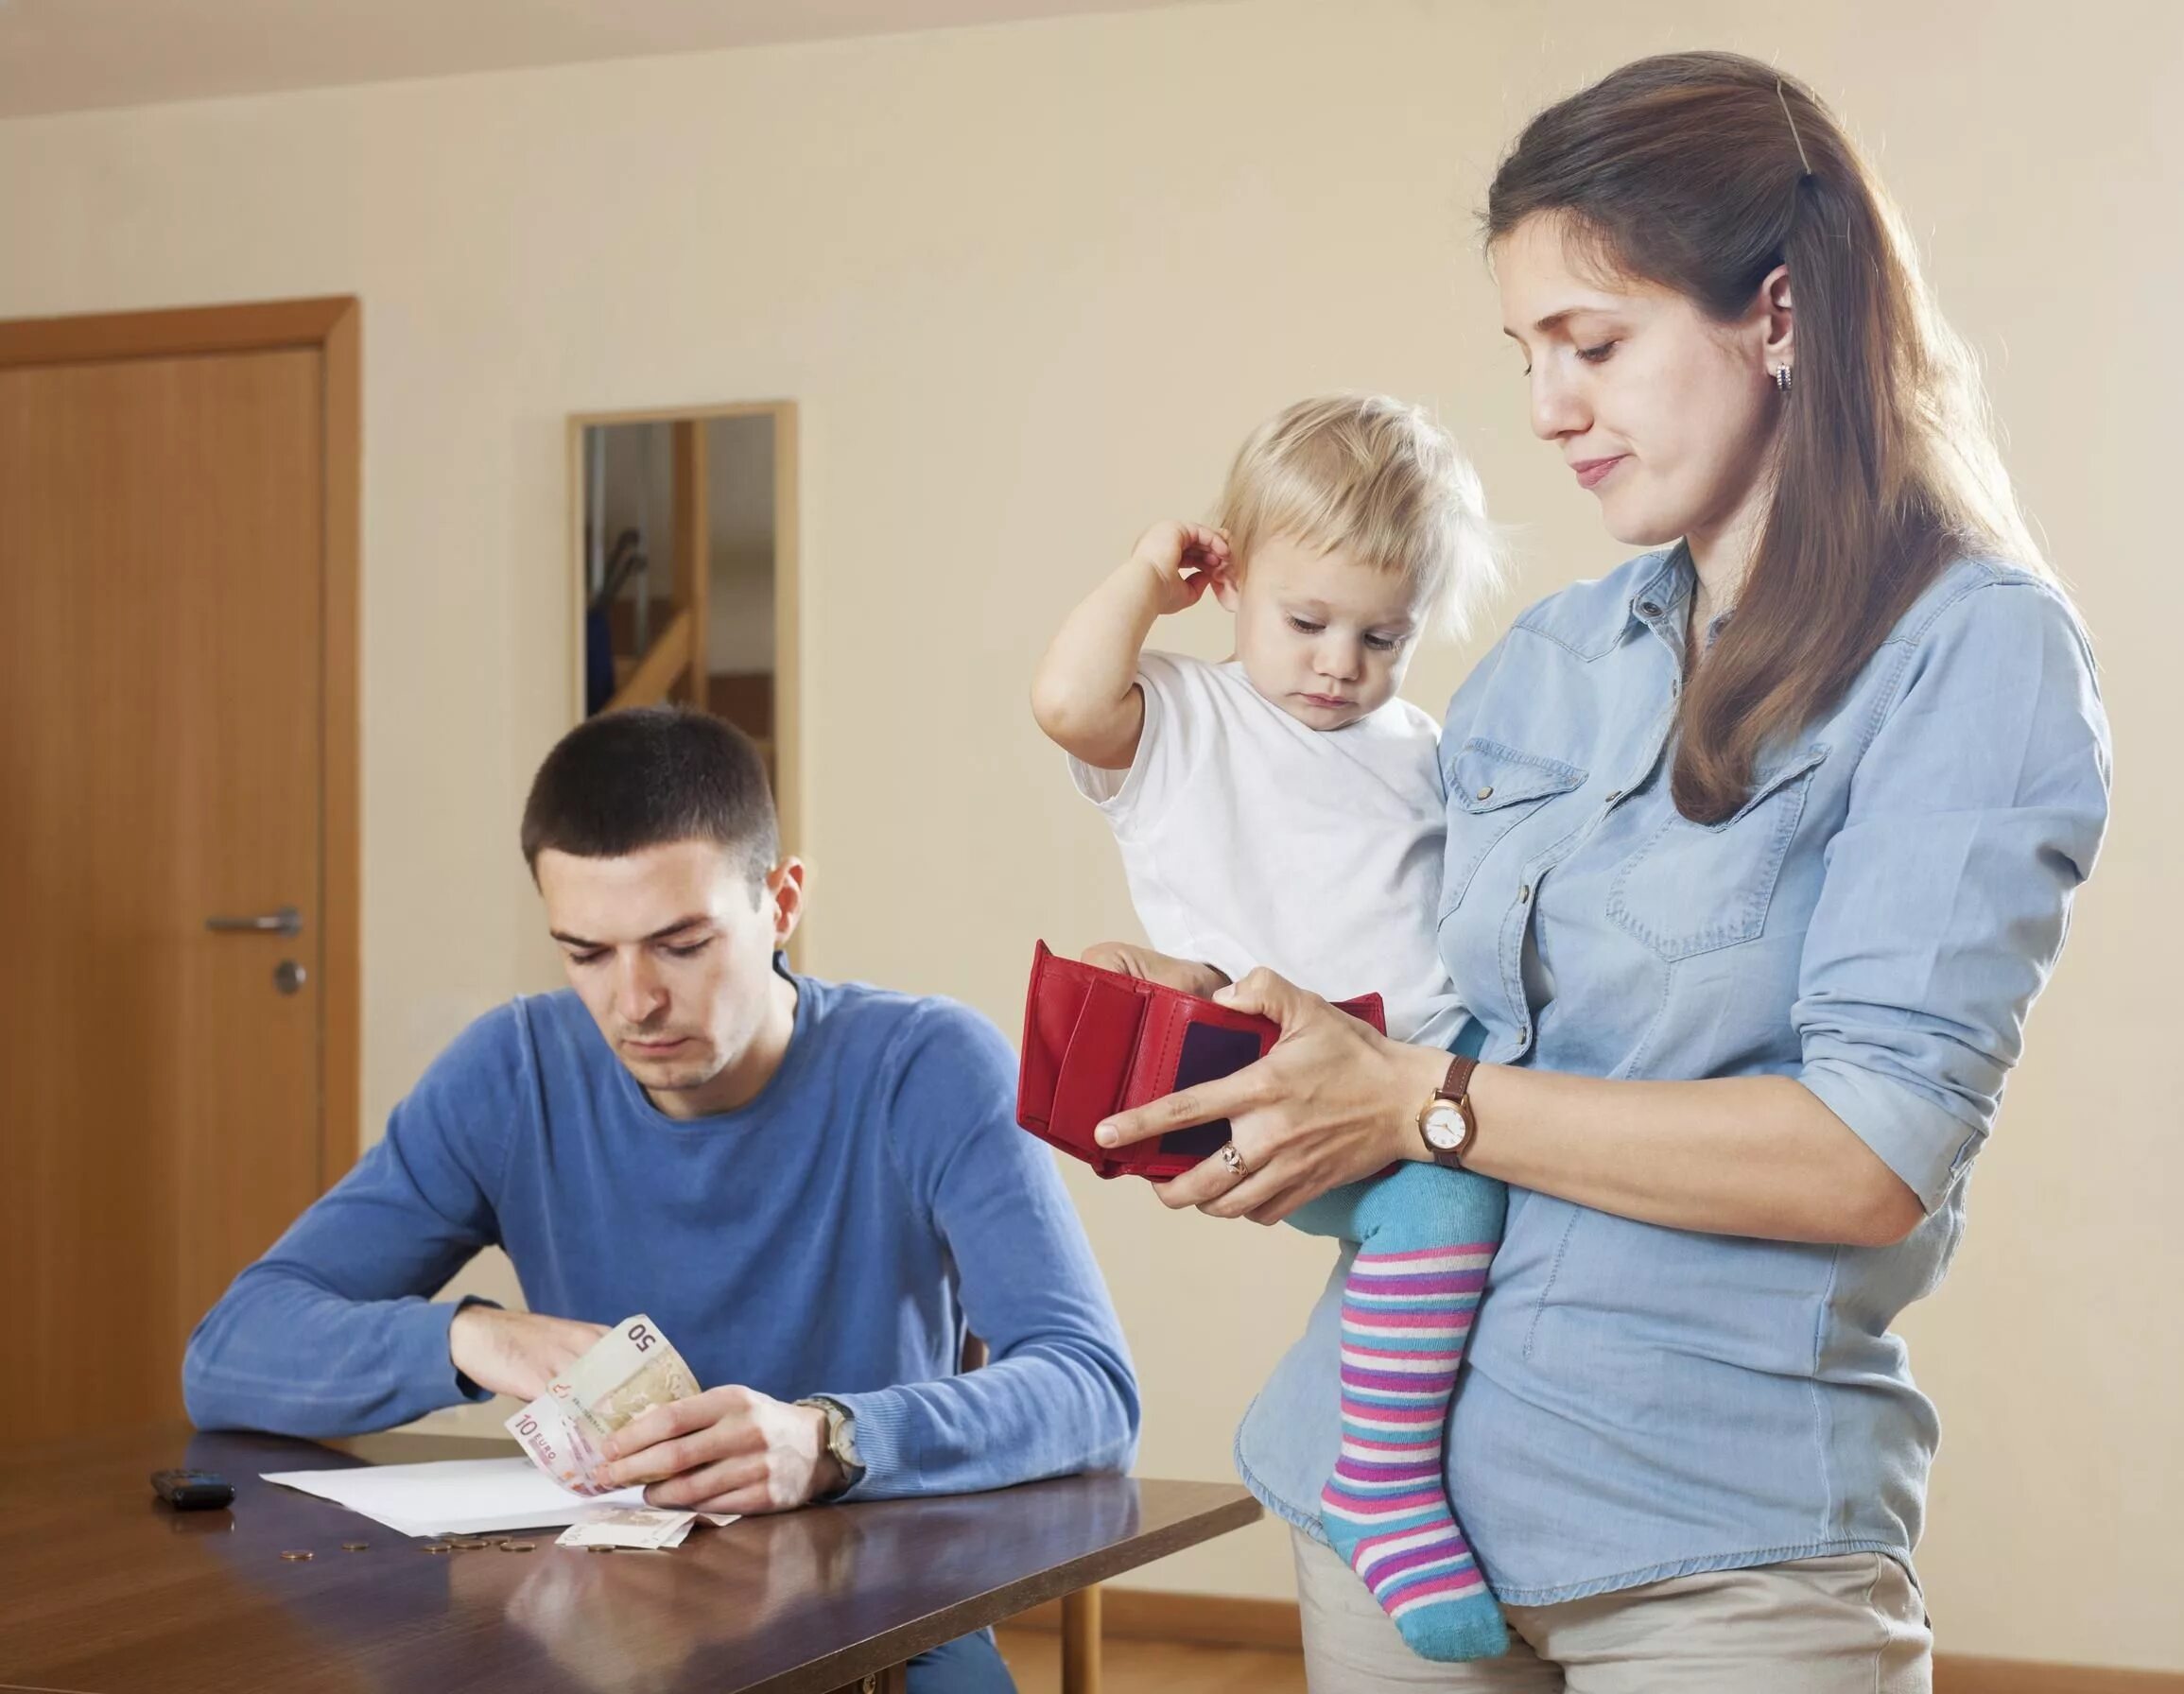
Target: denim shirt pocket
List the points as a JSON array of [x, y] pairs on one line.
[[1492, 788], [1691, 888]]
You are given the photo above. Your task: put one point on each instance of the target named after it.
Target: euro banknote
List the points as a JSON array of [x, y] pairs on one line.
[[628, 1371]]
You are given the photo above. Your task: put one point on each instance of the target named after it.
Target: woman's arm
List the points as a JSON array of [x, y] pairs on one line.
[[1978, 807], [1086, 695], [1334, 1101], [1732, 1156]]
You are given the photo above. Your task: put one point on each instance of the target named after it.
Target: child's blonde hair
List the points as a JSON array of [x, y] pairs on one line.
[[1374, 477]]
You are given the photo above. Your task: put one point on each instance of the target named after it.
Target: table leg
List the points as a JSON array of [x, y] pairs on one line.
[[1080, 1641]]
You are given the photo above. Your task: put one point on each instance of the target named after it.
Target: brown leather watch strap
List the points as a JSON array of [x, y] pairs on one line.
[[1456, 1090]]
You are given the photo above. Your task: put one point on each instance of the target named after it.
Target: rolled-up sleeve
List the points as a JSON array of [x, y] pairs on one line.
[[1978, 806]]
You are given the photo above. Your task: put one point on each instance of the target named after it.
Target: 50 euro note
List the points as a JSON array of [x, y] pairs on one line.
[[628, 1371]]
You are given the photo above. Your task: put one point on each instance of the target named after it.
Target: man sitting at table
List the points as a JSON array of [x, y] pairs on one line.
[[814, 1189]]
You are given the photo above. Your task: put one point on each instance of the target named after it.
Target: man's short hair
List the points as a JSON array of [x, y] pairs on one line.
[[624, 781]]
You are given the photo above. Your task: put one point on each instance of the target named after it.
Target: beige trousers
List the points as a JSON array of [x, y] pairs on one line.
[[1853, 1624]]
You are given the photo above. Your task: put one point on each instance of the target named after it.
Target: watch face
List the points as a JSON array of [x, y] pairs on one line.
[[1443, 1128]]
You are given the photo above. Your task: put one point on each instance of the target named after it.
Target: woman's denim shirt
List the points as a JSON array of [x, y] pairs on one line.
[[1875, 920]]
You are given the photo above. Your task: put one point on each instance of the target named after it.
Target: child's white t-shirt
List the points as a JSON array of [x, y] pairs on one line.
[[1250, 839]]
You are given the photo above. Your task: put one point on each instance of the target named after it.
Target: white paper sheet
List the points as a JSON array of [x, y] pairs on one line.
[[459, 1497]]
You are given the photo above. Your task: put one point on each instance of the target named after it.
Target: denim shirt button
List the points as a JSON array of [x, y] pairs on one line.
[[1525, 894]]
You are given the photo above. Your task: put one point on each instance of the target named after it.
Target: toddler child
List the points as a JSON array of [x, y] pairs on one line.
[[1286, 809]]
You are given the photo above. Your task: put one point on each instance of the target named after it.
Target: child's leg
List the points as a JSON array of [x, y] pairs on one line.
[[1338, 1214], [1426, 1235]]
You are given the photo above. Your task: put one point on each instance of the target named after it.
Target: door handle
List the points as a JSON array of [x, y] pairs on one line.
[[284, 920]]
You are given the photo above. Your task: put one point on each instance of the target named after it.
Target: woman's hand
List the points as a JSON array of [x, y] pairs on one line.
[[1333, 1102], [1149, 966]]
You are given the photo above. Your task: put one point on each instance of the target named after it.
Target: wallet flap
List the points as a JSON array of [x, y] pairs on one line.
[[1096, 1063], [1049, 1015]]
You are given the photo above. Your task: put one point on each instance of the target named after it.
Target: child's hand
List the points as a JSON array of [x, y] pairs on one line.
[[1184, 560], [1143, 963]]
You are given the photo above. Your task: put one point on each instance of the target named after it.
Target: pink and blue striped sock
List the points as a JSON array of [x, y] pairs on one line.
[[1406, 1318]]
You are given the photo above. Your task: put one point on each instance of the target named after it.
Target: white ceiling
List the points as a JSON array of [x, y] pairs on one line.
[[70, 55]]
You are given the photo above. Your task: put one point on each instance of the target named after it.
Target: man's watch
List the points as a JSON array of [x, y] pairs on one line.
[[840, 1439], [1446, 1123]]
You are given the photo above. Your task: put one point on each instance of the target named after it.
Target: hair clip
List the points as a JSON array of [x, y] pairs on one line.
[[1784, 97]]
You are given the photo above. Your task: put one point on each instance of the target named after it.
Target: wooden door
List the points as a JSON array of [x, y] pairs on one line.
[[164, 601]]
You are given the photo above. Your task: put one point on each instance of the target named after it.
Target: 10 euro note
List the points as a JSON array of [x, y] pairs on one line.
[[628, 1371]]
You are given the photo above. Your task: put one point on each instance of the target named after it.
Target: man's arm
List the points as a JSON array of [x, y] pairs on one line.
[[1057, 1396], [331, 1332]]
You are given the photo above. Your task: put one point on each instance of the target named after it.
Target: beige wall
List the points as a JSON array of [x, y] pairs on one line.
[[1029, 286]]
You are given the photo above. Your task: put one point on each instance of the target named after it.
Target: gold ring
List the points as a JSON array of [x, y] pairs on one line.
[[1234, 1160]]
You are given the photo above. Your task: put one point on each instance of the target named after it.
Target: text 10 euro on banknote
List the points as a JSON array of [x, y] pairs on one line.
[[628, 1371]]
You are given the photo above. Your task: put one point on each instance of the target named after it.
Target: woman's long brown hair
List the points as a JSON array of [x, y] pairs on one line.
[[1702, 172]]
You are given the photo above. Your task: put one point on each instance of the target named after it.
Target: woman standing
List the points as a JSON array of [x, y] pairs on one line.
[[1759, 850]]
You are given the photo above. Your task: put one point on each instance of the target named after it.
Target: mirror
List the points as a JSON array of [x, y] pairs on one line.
[[685, 570]]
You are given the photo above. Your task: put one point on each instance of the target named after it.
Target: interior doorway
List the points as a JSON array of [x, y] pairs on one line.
[[178, 826], [685, 571]]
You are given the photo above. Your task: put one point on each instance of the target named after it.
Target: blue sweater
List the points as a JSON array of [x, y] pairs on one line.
[[836, 1235]]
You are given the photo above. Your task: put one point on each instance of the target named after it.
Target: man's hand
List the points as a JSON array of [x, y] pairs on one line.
[[728, 1449], [515, 1353], [1184, 561], [1149, 966]]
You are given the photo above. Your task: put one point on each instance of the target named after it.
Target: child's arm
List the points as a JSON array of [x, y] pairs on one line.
[[1086, 695]]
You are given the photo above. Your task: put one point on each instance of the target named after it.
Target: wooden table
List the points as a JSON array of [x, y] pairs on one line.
[[103, 1590]]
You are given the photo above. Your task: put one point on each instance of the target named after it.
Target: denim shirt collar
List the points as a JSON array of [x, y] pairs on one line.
[[1661, 601]]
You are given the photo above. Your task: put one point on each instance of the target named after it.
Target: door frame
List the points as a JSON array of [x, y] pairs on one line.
[[788, 542], [331, 326]]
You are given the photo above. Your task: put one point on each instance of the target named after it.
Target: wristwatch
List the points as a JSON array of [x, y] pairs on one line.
[[1446, 1123], [840, 1439]]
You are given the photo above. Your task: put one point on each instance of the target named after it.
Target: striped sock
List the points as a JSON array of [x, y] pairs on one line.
[[1406, 1317]]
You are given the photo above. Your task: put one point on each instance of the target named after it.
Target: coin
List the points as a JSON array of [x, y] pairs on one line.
[[467, 1544], [356, 1546], [296, 1555], [518, 1547], [438, 1546], [599, 1549]]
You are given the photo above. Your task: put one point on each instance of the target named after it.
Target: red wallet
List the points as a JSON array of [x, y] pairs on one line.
[[1097, 1043]]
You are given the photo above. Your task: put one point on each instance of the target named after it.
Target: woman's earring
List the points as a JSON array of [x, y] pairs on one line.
[[1783, 378]]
